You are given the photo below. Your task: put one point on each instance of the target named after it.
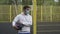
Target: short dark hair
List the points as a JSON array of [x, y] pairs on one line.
[[25, 7]]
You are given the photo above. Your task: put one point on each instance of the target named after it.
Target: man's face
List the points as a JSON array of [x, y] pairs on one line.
[[27, 10]]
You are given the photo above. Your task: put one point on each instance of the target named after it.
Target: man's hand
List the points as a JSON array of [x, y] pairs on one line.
[[19, 26], [15, 27]]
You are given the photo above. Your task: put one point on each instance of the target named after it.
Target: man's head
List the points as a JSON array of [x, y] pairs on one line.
[[26, 10]]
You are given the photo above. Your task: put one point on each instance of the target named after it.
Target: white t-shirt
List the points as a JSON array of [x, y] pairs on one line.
[[24, 19]]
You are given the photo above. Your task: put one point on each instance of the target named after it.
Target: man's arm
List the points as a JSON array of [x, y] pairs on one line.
[[14, 22], [27, 23]]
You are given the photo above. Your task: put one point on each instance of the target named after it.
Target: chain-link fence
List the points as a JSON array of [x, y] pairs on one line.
[[48, 11], [10, 8]]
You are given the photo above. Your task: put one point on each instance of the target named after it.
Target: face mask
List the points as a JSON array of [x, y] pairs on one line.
[[27, 12]]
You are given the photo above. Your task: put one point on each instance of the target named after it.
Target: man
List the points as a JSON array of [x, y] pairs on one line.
[[25, 19]]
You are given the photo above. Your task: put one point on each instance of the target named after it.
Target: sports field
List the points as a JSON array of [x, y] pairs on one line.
[[47, 14]]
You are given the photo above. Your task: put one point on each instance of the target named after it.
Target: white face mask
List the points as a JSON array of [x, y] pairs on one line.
[[27, 12]]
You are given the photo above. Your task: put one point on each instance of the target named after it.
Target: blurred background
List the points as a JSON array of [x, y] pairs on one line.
[[47, 15], [47, 10]]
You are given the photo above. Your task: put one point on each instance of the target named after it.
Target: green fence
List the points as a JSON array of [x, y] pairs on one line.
[[47, 10], [48, 14]]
